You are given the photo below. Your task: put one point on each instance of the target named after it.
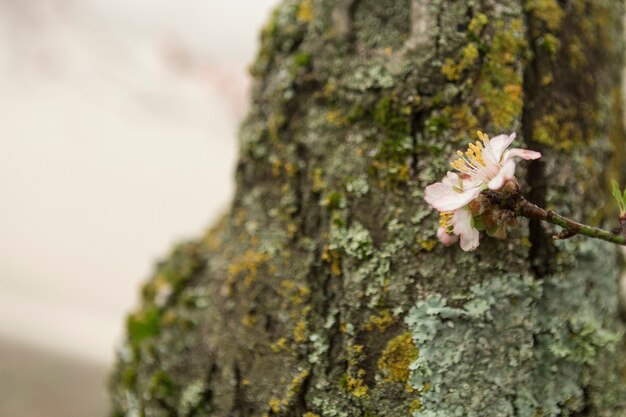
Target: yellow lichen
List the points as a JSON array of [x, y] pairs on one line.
[[280, 344], [452, 70], [292, 229], [334, 259], [548, 11], [337, 117], [392, 173], [299, 332], [274, 124], [290, 169], [276, 166], [305, 11], [356, 386], [309, 414], [461, 119], [576, 53], [477, 24], [169, 317], [398, 355], [416, 405], [296, 384], [559, 132], [274, 404], [500, 80], [428, 245], [381, 321], [330, 88], [248, 320], [248, 265], [546, 79], [295, 294], [498, 84], [551, 43], [352, 380], [318, 181], [293, 390], [212, 239]]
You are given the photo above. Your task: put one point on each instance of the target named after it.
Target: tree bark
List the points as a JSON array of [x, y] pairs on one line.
[[324, 292]]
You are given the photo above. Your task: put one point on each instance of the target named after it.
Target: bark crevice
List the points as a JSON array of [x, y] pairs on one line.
[[542, 247]]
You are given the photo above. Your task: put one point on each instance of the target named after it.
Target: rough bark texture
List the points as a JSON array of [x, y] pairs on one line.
[[323, 292]]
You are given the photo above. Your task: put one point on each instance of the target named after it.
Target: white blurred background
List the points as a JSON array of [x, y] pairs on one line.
[[118, 123]]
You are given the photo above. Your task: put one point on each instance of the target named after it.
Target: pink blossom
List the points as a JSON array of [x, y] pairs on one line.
[[448, 239], [487, 164], [463, 227], [453, 192]]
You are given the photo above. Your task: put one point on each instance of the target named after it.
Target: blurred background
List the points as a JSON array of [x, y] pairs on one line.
[[118, 122]]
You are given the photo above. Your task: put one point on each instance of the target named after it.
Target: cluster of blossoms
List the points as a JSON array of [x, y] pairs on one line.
[[486, 165]]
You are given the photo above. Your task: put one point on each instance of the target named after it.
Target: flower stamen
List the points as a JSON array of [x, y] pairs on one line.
[[445, 220], [471, 162]]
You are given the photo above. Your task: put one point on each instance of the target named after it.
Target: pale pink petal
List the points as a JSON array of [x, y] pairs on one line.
[[470, 242], [445, 198], [508, 170], [491, 161], [472, 182], [462, 223], [446, 238], [452, 179], [506, 173], [498, 145], [522, 153], [437, 191]]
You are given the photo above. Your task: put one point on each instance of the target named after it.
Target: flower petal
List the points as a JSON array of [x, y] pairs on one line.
[[470, 242], [452, 179], [472, 182], [498, 145], [522, 153], [462, 223], [489, 158], [506, 173], [446, 238], [445, 198]]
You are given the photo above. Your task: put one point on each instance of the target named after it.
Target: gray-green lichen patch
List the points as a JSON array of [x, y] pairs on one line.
[[355, 241], [517, 346], [192, 398]]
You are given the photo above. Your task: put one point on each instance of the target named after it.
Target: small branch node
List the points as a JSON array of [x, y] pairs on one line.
[[564, 234]]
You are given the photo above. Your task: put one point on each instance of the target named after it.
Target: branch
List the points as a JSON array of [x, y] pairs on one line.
[[531, 211]]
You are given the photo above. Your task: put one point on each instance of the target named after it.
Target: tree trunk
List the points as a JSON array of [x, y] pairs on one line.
[[324, 292]]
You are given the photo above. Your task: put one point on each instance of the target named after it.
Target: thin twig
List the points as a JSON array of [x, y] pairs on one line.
[[531, 211], [564, 234]]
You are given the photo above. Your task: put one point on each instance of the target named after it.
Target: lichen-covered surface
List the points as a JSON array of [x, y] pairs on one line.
[[324, 292]]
